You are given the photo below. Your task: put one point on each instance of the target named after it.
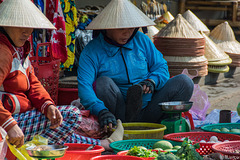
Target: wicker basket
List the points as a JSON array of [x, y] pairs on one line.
[[196, 137], [143, 130]]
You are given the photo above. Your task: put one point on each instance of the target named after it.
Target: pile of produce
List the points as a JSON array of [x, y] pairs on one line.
[[187, 151]]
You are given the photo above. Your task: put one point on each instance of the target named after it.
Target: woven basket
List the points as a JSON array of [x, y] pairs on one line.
[[208, 128], [228, 149], [128, 144], [143, 130], [196, 137]]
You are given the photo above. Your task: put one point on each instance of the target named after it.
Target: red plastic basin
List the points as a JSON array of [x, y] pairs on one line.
[[77, 152], [124, 153], [116, 157]]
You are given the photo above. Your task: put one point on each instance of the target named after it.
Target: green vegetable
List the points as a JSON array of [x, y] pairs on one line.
[[140, 152], [188, 151], [167, 156]]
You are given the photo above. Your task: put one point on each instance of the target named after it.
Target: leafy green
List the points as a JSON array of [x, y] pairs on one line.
[[167, 156], [140, 152], [188, 151]]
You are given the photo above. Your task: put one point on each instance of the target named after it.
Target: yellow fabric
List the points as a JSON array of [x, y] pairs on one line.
[[70, 15]]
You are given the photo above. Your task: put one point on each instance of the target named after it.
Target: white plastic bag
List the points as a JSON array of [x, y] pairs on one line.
[[3, 144]]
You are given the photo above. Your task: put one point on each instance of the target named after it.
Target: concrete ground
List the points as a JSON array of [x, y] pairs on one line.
[[225, 94]]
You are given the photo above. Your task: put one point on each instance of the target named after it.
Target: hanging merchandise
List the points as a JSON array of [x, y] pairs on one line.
[[70, 15], [224, 37], [56, 37], [162, 21], [153, 9]]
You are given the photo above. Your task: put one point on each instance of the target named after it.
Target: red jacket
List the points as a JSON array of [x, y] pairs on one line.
[[20, 90]]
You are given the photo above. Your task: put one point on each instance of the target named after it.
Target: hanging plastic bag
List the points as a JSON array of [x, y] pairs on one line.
[[3, 144], [199, 99]]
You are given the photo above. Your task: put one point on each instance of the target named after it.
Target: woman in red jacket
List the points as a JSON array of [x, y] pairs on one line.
[[26, 108]]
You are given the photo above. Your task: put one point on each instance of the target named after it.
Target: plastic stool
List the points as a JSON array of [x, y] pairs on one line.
[[189, 115]]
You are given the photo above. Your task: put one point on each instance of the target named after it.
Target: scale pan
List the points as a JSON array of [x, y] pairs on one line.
[[176, 106]]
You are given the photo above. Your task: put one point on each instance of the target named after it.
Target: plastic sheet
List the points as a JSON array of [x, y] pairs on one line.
[[3, 144]]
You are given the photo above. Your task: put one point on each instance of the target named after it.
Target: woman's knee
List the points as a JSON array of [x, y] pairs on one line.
[[185, 81], [105, 85], [70, 112]]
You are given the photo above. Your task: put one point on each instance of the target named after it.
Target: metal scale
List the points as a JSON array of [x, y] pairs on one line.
[[176, 123], [54, 151]]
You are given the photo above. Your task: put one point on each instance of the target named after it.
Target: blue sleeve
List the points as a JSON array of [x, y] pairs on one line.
[[87, 71], [157, 65]]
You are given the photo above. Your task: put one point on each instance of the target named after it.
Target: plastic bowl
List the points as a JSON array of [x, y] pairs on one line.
[[78, 152], [46, 151], [176, 106]]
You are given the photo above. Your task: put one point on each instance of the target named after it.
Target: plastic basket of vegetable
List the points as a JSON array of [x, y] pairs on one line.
[[205, 139], [230, 150], [230, 128], [123, 145]]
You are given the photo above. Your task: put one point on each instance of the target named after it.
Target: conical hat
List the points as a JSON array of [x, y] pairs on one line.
[[195, 22], [120, 14], [224, 37], [180, 28], [212, 51], [23, 13]]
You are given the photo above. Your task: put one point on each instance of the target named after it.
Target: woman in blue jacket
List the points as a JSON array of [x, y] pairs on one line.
[[121, 74]]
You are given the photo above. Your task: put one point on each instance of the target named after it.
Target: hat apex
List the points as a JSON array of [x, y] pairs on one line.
[[23, 13], [120, 14]]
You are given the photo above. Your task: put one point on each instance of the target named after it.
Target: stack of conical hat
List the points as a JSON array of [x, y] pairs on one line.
[[196, 22], [218, 60], [163, 20], [182, 46], [224, 37], [194, 64]]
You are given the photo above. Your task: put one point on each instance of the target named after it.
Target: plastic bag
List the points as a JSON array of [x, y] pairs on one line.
[[199, 99], [3, 144], [21, 153]]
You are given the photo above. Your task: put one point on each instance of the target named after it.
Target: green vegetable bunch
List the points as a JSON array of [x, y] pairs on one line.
[[188, 151], [141, 152], [167, 156]]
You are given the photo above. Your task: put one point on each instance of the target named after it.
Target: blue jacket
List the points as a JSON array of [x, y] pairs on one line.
[[99, 58]]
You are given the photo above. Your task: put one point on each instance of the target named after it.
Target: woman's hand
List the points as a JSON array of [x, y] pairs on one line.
[[54, 115], [15, 136]]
